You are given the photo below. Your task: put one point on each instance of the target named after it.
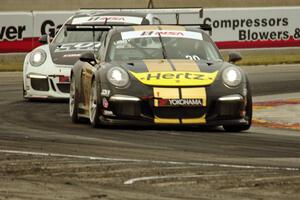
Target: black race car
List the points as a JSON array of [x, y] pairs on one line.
[[160, 75]]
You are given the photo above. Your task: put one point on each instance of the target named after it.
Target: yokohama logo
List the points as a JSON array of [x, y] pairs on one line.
[[179, 102]]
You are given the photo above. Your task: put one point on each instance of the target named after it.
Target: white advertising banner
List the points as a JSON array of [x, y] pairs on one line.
[[46, 22], [14, 28], [255, 27], [232, 28], [20, 31]]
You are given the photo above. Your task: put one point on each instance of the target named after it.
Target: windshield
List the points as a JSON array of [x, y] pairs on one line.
[[140, 45], [76, 36], [69, 36]]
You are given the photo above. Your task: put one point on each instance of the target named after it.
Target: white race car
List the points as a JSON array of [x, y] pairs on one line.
[[47, 68]]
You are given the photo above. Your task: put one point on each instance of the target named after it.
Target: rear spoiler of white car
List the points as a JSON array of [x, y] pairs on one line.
[[165, 15]]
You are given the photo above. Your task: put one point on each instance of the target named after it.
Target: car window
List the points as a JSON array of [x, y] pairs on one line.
[[76, 36], [139, 45]]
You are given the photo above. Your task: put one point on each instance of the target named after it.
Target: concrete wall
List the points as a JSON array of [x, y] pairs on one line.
[[27, 5]]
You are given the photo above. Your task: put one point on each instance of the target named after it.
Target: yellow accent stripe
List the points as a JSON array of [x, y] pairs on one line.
[[175, 28], [194, 93], [158, 65], [158, 120], [186, 65], [200, 120], [142, 28], [166, 93]]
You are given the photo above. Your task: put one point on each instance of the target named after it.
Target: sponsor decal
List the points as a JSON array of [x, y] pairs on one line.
[[163, 33], [80, 46], [183, 75], [72, 55], [179, 102], [97, 19], [176, 78], [105, 92], [105, 103]]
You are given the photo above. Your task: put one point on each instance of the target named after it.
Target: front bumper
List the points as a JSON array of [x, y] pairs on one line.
[[54, 86], [224, 110]]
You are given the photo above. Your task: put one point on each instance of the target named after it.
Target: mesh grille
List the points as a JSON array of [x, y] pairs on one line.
[[65, 88], [40, 84]]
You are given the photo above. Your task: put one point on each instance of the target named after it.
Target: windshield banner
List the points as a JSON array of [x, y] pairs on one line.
[[115, 19], [161, 33]]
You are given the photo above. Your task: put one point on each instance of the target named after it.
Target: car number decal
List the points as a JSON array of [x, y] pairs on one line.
[[79, 46]]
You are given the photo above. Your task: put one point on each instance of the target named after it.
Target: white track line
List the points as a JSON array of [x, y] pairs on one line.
[[203, 164], [148, 178]]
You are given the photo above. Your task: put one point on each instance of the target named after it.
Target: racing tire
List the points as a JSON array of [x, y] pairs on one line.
[[248, 109], [24, 91], [94, 106], [73, 101]]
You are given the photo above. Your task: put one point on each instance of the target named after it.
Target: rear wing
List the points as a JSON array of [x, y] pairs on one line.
[[164, 16], [104, 27], [191, 10], [156, 12]]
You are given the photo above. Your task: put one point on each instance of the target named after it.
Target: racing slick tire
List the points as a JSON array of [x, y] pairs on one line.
[[248, 109], [73, 101], [24, 91], [93, 106]]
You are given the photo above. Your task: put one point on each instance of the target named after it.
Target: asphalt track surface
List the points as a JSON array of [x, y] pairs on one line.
[[44, 156]]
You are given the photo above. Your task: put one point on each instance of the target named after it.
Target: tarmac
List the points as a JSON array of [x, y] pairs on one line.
[[277, 111]]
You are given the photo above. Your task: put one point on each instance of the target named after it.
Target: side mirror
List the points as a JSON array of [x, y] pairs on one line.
[[234, 57], [88, 57], [43, 39]]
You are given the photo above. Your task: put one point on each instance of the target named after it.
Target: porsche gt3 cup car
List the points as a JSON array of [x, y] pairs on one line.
[[46, 69], [160, 75]]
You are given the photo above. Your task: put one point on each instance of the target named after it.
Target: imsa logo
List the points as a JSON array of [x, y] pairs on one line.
[[162, 33]]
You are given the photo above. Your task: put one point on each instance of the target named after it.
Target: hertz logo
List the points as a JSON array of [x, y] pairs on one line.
[[185, 75], [176, 78]]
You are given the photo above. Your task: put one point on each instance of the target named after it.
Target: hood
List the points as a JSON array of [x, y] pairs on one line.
[[174, 72], [69, 53]]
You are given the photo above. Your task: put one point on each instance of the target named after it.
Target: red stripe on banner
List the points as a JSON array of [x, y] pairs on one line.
[[291, 42], [25, 45]]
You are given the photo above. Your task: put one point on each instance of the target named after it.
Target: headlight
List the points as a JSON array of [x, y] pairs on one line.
[[118, 76], [38, 57], [232, 77]]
